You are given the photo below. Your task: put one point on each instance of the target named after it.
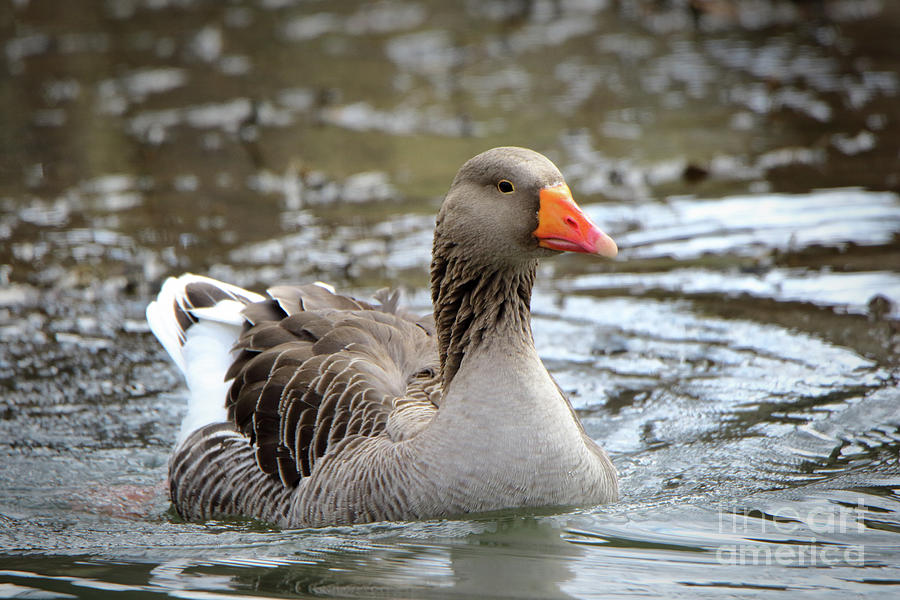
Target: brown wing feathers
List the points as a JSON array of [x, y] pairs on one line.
[[316, 368]]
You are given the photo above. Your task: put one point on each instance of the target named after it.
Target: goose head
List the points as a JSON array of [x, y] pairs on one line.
[[509, 205]]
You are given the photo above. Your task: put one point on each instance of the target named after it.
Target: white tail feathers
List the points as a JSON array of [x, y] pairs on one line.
[[207, 357], [199, 336]]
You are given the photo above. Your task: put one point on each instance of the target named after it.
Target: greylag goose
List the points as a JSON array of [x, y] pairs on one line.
[[309, 408]]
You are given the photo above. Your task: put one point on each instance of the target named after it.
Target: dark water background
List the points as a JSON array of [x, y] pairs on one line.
[[739, 359]]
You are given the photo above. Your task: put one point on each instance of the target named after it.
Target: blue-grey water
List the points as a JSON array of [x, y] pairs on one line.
[[739, 360]]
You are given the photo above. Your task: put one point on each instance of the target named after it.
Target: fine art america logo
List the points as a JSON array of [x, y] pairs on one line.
[[790, 537]]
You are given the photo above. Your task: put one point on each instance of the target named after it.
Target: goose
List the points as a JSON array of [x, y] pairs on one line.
[[308, 408]]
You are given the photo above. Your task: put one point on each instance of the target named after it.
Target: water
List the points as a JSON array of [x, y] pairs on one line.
[[739, 360]]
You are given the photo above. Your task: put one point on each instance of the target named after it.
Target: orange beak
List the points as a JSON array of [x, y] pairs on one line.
[[562, 225]]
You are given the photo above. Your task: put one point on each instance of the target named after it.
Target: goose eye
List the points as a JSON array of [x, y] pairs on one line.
[[506, 186]]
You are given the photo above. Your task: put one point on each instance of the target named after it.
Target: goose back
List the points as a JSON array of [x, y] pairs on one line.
[[312, 369]]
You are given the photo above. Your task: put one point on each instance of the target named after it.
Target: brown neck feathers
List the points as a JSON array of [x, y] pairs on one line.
[[472, 302]]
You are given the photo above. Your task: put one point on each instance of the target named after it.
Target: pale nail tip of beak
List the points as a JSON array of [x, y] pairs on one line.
[[607, 248]]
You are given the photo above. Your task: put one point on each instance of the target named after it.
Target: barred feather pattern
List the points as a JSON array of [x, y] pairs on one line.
[[213, 474], [366, 479], [314, 371]]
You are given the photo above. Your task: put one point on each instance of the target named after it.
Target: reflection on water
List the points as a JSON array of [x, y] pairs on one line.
[[833, 538], [739, 360]]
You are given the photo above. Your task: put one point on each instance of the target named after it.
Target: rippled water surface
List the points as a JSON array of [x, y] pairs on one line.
[[739, 360]]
